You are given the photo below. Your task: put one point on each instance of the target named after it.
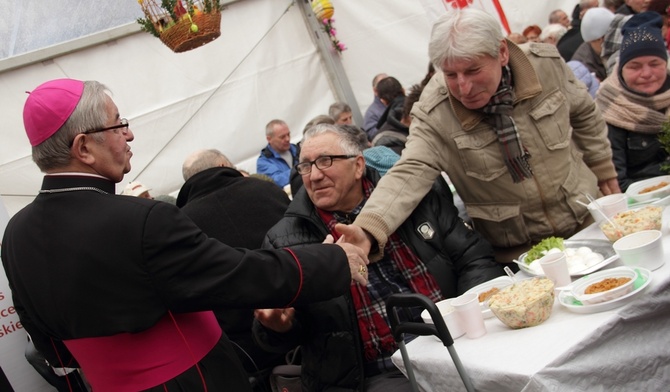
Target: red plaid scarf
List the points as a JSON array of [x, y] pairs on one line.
[[372, 320]]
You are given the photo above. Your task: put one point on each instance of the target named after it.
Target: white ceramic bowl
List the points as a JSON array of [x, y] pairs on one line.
[[642, 249], [500, 283], [449, 315], [635, 188], [582, 284], [609, 205], [633, 220]]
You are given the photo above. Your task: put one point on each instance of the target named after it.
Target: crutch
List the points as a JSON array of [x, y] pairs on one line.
[[438, 328]]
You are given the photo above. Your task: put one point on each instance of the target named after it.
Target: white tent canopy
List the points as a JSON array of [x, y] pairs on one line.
[[265, 65]]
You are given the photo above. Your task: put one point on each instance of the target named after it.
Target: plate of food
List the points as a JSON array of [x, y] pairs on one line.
[[487, 289], [566, 297], [652, 188], [583, 256]]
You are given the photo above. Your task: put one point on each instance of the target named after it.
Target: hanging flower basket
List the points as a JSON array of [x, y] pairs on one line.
[[182, 24]]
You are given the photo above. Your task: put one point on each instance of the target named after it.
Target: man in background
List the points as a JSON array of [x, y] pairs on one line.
[[277, 158], [237, 211], [571, 40], [559, 16], [376, 108]]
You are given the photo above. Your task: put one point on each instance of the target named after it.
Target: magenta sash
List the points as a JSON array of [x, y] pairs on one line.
[[138, 361]]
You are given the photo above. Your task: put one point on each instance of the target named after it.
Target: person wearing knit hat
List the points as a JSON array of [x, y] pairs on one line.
[[595, 23], [380, 158], [642, 36], [635, 101], [123, 288]]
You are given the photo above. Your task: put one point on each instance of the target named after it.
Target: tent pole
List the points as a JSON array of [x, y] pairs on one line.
[[335, 71]]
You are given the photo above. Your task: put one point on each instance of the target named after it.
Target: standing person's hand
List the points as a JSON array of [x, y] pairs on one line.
[[609, 187], [355, 235], [278, 320], [358, 259]]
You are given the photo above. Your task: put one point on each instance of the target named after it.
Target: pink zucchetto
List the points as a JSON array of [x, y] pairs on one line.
[[49, 106]]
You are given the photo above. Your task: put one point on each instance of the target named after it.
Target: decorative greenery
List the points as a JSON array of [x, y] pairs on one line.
[[148, 26], [330, 30], [664, 138]]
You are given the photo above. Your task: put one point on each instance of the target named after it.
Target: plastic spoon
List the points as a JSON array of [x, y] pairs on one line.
[[601, 212], [510, 274]]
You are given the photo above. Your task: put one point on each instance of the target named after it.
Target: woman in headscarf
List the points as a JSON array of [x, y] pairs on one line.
[[635, 100]]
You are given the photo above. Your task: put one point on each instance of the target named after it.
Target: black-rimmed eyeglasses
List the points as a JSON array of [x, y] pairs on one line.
[[123, 124], [322, 162]]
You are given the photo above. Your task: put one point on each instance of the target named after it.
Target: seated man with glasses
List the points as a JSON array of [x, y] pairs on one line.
[[346, 342]]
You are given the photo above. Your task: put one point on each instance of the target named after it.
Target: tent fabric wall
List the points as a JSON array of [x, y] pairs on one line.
[[221, 95]]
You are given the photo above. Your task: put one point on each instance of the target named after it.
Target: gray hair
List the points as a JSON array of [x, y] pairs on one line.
[[270, 128], [320, 119], [203, 160], [554, 30], [349, 141], [90, 113], [464, 34], [358, 134], [555, 16], [338, 108]]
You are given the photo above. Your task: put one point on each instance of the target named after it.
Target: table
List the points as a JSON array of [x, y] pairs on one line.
[[623, 349]]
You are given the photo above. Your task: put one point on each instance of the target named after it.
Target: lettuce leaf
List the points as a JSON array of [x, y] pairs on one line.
[[538, 250]]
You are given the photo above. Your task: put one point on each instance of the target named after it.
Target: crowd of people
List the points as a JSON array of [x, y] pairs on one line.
[[211, 290]]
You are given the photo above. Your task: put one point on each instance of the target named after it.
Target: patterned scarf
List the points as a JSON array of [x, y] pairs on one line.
[[499, 110], [633, 112], [372, 320]]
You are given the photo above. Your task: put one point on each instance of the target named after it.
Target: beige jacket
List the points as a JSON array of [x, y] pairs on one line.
[[558, 123]]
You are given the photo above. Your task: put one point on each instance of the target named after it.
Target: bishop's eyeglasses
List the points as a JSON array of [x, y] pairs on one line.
[[123, 124]]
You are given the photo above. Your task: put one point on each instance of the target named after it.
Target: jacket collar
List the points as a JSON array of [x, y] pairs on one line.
[[206, 182], [51, 182]]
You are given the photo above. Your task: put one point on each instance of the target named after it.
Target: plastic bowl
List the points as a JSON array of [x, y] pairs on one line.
[[449, 315], [609, 205], [634, 190], [499, 283], [524, 304], [642, 249], [580, 286], [633, 220]]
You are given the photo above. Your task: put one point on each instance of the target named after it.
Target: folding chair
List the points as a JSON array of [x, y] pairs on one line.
[[438, 328]]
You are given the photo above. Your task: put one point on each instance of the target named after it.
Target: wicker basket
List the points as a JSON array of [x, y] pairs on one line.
[[180, 38], [182, 24]]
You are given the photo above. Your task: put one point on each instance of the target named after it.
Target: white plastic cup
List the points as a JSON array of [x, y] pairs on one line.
[[610, 205], [449, 315], [470, 315], [641, 249], [555, 267]]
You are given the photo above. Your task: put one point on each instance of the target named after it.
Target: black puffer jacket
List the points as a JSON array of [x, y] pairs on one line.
[[456, 256], [636, 156]]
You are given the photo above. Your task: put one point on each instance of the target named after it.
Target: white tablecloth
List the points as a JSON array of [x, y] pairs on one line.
[[624, 349]]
